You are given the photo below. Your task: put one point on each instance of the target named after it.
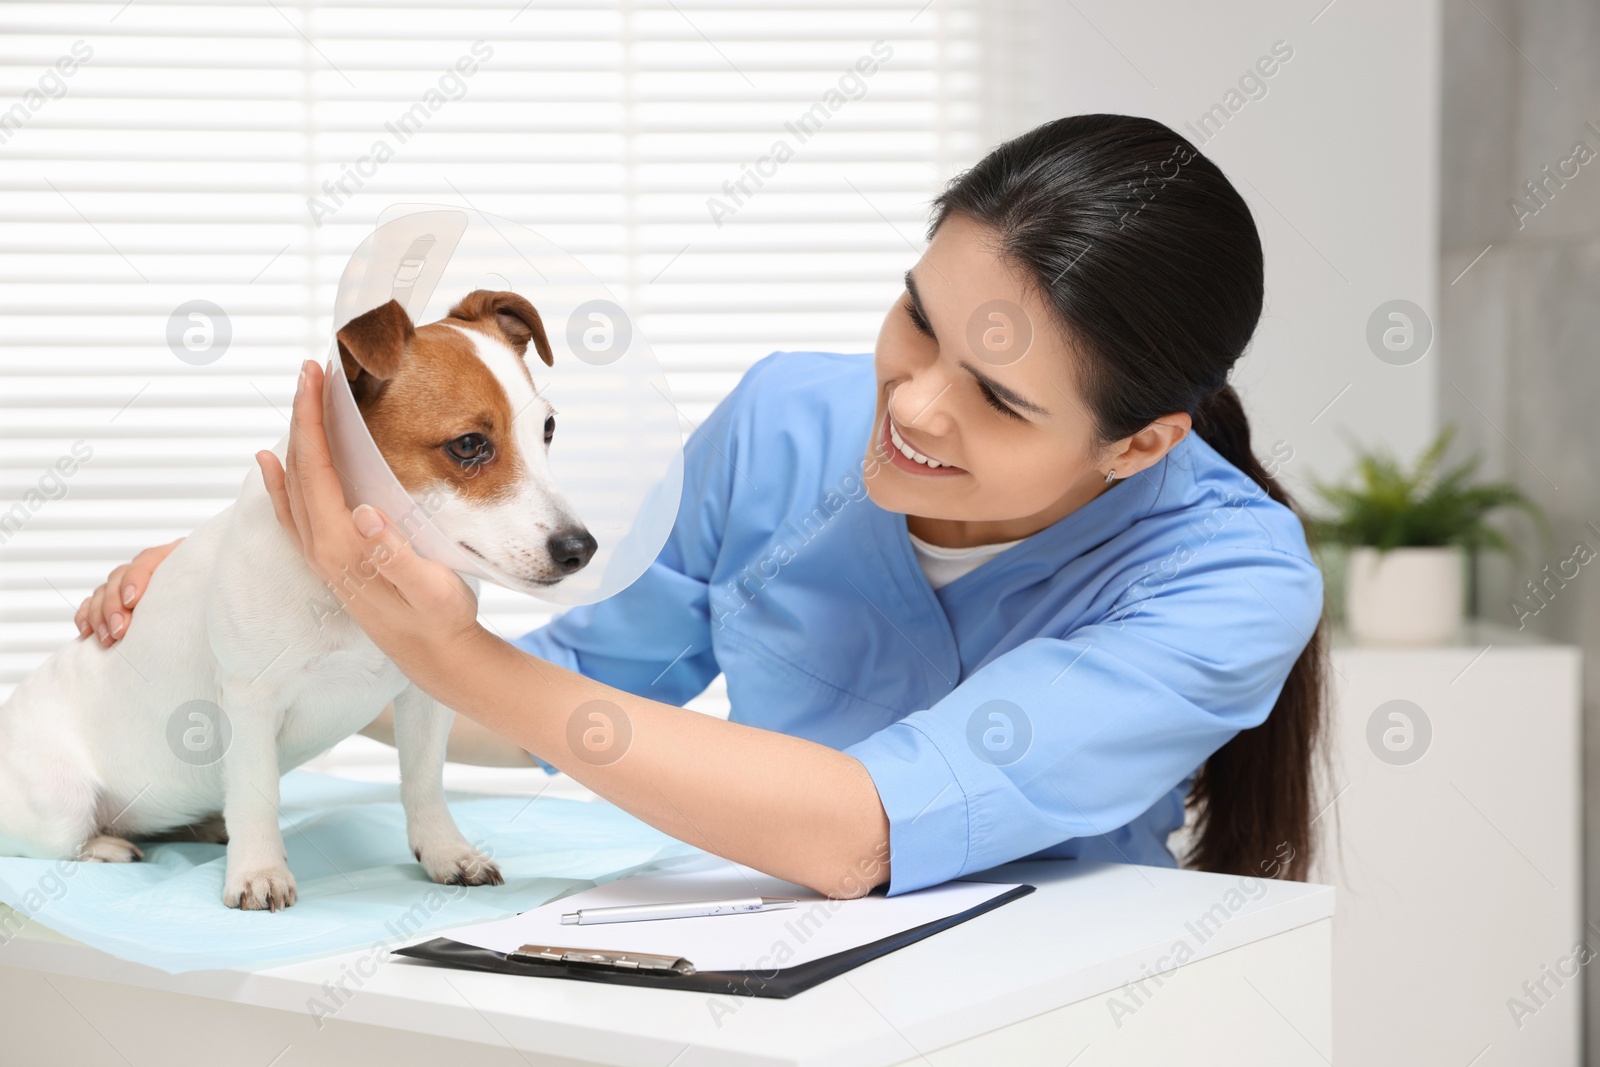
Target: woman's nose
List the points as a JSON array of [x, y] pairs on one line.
[[916, 401]]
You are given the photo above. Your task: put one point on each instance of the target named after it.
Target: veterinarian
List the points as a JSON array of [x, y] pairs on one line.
[[1014, 586]]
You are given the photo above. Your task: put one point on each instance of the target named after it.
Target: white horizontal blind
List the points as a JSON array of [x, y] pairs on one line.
[[158, 153]]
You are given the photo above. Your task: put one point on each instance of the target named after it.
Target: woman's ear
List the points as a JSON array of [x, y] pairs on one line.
[[1173, 429], [1160, 437], [1150, 445]]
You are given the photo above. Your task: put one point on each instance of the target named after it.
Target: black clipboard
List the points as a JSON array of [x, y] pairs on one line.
[[660, 972]]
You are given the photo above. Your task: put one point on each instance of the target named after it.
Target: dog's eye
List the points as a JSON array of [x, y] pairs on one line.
[[549, 429], [470, 448]]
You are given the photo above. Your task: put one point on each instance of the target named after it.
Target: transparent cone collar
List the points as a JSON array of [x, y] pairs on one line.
[[615, 463]]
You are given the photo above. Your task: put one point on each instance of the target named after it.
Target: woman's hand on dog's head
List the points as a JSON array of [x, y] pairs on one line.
[[107, 611], [404, 602]]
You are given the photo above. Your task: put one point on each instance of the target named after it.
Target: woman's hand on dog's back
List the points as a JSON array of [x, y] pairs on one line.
[[106, 611]]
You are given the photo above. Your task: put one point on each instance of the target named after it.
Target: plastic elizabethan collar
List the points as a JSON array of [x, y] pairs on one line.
[[617, 453]]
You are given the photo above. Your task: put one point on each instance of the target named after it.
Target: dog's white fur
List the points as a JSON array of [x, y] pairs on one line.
[[235, 616]]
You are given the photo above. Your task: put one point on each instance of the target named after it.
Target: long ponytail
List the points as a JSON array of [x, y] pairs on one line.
[[1151, 259], [1246, 816]]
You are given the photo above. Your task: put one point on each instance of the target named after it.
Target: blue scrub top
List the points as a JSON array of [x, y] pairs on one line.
[[1056, 701]]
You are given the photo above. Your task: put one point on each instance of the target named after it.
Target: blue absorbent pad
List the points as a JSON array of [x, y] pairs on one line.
[[358, 885]]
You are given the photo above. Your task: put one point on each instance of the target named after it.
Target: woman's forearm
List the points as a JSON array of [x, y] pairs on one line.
[[793, 808]]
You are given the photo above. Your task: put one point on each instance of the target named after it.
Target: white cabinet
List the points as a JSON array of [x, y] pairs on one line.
[[1455, 847]]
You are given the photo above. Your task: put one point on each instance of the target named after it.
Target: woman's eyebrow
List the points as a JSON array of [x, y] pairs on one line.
[[1008, 395], [916, 301]]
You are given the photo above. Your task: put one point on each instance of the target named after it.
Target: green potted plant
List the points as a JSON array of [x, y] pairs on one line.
[[1408, 534]]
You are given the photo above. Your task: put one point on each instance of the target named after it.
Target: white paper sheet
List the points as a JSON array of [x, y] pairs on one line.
[[814, 928]]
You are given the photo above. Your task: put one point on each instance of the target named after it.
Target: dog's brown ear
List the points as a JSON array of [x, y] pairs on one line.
[[374, 344], [517, 320]]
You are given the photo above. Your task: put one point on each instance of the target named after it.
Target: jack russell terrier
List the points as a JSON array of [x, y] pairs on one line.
[[88, 759]]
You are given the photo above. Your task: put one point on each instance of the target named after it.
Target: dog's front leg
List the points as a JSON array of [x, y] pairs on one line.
[[258, 876], [421, 731]]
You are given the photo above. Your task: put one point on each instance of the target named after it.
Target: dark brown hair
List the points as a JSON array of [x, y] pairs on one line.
[[1151, 260]]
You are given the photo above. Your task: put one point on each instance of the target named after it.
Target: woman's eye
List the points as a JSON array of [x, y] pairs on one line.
[[999, 405], [922, 324], [470, 448], [549, 428]]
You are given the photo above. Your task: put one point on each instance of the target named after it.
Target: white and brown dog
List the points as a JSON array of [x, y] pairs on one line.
[[100, 746]]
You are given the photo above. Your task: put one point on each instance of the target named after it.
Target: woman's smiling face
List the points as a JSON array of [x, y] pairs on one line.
[[974, 375]]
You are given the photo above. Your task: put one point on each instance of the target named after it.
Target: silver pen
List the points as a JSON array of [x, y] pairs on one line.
[[691, 909]]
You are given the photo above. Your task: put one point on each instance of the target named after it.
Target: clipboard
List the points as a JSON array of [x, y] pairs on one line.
[[670, 972]]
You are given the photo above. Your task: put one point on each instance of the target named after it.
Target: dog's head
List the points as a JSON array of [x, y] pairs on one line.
[[453, 408]]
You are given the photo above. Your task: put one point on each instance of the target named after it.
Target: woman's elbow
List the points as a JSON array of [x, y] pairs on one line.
[[849, 873]]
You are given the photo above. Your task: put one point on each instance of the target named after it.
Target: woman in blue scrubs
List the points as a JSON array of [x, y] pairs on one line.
[[1013, 585]]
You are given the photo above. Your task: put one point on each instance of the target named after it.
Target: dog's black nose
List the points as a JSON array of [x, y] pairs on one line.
[[571, 549]]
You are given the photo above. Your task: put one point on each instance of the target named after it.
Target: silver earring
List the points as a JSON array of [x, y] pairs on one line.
[[1111, 476]]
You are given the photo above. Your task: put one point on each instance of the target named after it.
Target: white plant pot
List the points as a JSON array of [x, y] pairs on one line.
[[1406, 596]]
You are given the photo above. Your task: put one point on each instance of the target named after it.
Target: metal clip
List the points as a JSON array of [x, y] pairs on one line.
[[617, 961]]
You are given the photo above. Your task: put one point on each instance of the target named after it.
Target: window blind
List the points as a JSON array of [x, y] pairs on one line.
[[745, 176]]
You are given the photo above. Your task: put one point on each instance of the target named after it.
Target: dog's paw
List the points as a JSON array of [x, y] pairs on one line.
[[458, 863], [263, 889], [105, 848]]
